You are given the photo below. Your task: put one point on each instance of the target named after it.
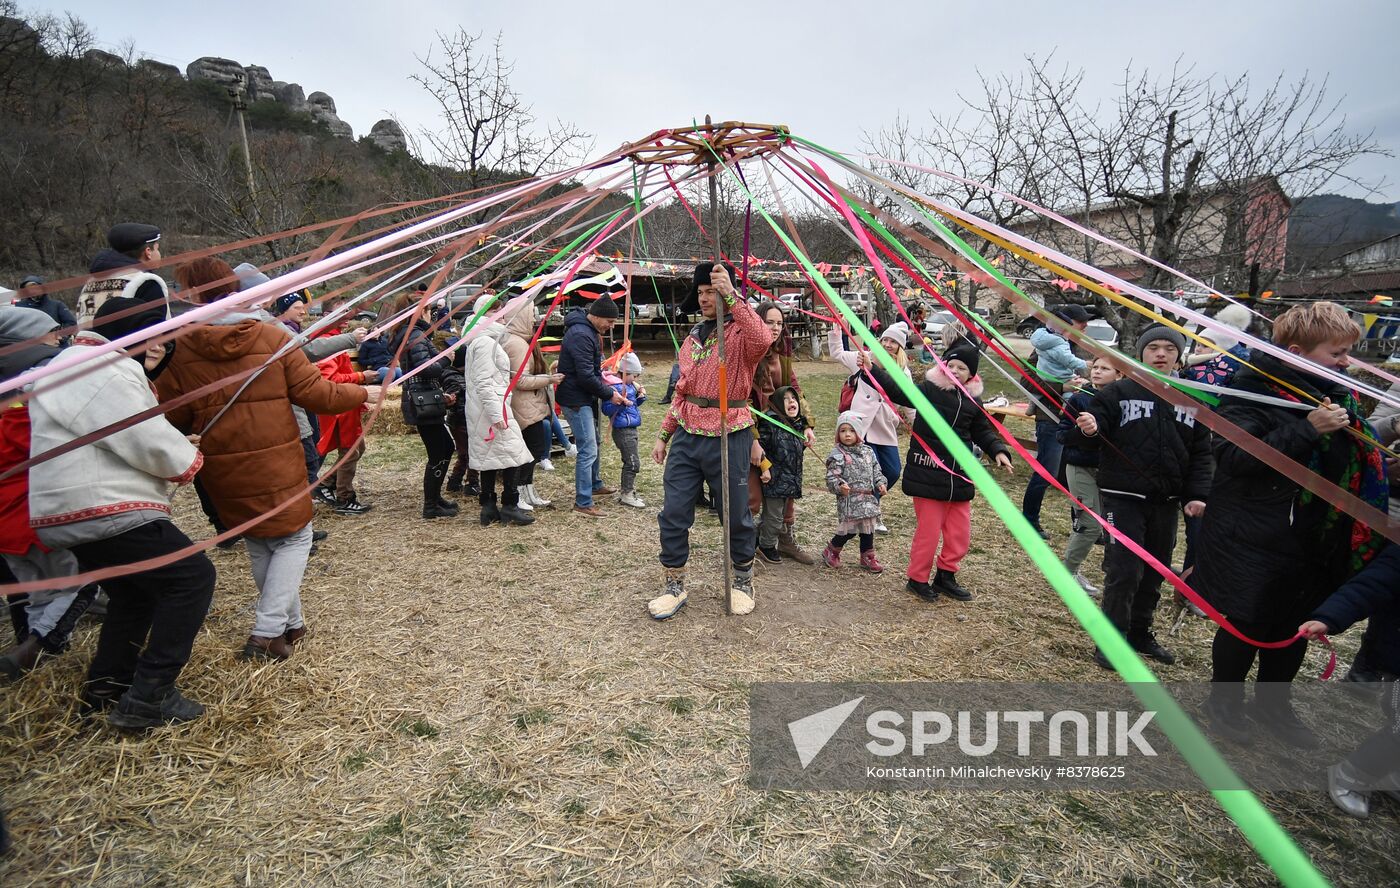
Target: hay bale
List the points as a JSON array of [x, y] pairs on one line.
[[390, 419]]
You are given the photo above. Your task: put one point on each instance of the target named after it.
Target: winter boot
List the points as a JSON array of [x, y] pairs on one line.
[[536, 499], [1349, 789], [293, 636], [142, 707], [437, 510], [515, 515], [1224, 711], [98, 697], [489, 513], [742, 597], [870, 563], [923, 590], [787, 545], [946, 581], [21, 658], [1273, 712], [672, 599], [831, 556]]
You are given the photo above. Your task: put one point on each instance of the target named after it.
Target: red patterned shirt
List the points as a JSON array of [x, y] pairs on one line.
[[746, 341]]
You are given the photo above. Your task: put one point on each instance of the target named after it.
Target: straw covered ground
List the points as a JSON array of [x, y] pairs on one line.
[[494, 706]]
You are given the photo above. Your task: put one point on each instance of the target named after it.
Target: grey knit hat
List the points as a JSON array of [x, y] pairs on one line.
[[1156, 332]]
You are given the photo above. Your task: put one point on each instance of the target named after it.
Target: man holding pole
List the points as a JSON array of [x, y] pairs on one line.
[[694, 429]]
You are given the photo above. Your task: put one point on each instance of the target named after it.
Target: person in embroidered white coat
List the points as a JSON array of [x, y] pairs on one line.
[[108, 502], [495, 443]]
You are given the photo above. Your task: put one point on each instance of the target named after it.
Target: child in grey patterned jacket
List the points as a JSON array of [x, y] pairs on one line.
[[853, 474]]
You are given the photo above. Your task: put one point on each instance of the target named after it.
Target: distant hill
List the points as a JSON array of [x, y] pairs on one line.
[[1327, 225]]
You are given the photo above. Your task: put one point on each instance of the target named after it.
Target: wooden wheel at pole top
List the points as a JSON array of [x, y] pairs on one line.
[[697, 145]]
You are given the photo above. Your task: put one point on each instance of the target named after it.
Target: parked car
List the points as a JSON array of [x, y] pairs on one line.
[[934, 323], [1103, 331]]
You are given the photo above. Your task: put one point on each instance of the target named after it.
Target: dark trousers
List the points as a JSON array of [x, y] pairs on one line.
[[510, 494], [537, 440], [153, 616], [308, 448], [438, 442], [627, 442], [1047, 452], [692, 461], [1231, 659], [459, 440], [1131, 590], [206, 505]]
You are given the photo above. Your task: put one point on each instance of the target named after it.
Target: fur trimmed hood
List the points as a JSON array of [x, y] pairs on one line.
[[935, 375]]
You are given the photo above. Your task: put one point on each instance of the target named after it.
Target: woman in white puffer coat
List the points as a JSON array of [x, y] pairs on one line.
[[495, 445]]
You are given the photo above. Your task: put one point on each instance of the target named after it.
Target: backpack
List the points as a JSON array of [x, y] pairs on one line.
[[848, 393]]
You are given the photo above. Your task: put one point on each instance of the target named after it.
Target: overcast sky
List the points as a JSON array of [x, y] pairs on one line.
[[829, 70]]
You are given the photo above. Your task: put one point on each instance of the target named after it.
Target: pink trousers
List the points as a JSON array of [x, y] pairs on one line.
[[952, 522]]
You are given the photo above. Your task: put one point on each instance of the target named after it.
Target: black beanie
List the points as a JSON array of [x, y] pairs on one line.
[[604, 307], [1156, 332], [968, 354]]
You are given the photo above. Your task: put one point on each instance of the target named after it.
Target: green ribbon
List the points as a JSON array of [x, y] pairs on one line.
[[1273, 844]]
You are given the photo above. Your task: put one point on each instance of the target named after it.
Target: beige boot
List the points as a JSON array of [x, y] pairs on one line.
[[742, 595], [669, 602]]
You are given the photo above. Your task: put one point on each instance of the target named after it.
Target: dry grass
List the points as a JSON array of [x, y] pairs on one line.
[[493, 706]]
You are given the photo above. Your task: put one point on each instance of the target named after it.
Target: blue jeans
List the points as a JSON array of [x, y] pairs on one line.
[[1047, 452], [887, 455], [587, 477], [556, 430]]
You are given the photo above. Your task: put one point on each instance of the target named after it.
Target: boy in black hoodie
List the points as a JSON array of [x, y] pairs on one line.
[[1158, 459]]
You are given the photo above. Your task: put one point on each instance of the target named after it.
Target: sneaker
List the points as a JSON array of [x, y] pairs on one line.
[[923, 590], [352, 506], [546, 465], [571, 451], [1084, 584], [168, 708], [630, 498], [1348, 791], [881, 528], [831, 557], [770, 554], [1146, 644], [454, 485], [319, 535], [1041, 531], [324, 495], [870, 562]]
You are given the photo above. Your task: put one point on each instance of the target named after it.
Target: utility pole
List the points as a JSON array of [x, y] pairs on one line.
[[240, 104]]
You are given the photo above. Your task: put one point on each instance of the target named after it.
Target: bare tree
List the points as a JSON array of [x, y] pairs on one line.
[[488, 130], [1194, 171]]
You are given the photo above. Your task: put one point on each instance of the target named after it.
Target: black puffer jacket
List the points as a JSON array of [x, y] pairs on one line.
[[1147, 448], [783, 449], [419, 352], [1075, 404], [1259, 556], [1374, 593], [922, 476]]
